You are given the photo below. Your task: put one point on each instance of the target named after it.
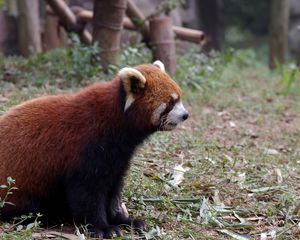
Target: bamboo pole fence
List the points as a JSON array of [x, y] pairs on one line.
[[108, 19]]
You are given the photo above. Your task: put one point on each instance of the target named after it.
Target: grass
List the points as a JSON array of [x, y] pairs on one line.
[[240, 147]]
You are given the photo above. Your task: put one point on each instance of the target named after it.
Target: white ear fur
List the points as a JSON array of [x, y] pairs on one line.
[[129, 101], [126, 75], [160, 65]]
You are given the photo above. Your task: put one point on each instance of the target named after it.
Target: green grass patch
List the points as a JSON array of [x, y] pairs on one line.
[[240, 147]]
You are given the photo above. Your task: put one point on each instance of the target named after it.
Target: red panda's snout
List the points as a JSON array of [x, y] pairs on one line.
[[177, 115], [171, 111], [167, 121]]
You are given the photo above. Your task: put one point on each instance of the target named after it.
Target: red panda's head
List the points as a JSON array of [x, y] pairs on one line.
[[153, 99]]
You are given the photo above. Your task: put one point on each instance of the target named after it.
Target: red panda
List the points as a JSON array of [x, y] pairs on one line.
[[69, 153]]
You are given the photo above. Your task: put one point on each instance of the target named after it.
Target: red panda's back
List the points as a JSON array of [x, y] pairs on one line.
[[36, 144]]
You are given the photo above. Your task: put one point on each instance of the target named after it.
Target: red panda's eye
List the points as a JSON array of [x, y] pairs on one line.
[[172, 101]]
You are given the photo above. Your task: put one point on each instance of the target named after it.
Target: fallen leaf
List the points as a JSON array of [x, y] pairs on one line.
[[240, 179], [233, 234], [250, 133], [177, 175], [205, 214], [54, 234], [279, 175], [270, 151], [153, 233], [230, 159], [255, 218], [232, 124], [267, 189], [268, 235], [216, 198], [297, 210], [242, 220]]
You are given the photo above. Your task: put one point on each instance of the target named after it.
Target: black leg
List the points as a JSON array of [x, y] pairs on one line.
[[88, 207], [115, 212]]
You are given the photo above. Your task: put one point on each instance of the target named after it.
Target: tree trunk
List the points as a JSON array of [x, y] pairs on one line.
[[29, 27], [8, 34], [212, 22], [107, 23], [162, 41], [51, 37], [279, 31]]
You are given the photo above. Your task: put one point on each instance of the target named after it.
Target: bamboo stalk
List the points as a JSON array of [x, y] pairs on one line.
[[162, 41], [181, 33], [8, 36], [138, 19], [128, 24], [29, 27], [68, 19], [51, 35], [82, 14], [108, 22], [188, 34], [133, 12], [279, 32]]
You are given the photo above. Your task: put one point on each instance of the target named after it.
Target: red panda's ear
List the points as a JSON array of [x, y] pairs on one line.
[[160, 65], [133, 82]]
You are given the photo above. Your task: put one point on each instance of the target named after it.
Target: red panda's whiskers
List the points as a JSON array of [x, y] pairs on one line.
[[164, 121]]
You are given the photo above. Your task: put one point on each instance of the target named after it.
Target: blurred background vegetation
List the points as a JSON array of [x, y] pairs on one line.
[[246, 15], [241, 142]]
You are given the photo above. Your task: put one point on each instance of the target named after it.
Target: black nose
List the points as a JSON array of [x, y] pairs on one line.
[[185, 116]]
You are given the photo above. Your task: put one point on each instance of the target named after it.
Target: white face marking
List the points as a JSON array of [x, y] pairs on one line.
[[129, 101], [176, 113], [157, 113], [174, 96], [175, 116]]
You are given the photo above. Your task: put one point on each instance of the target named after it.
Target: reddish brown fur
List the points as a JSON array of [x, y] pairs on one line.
[[157, 91], [53, 150], [41, 140]]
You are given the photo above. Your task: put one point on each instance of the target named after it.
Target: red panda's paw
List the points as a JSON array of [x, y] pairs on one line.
[[139, 225], [112, 231], [136, 224], [107, 233]]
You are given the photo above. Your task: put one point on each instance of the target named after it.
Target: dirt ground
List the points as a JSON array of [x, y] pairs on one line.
[[240, 155]]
